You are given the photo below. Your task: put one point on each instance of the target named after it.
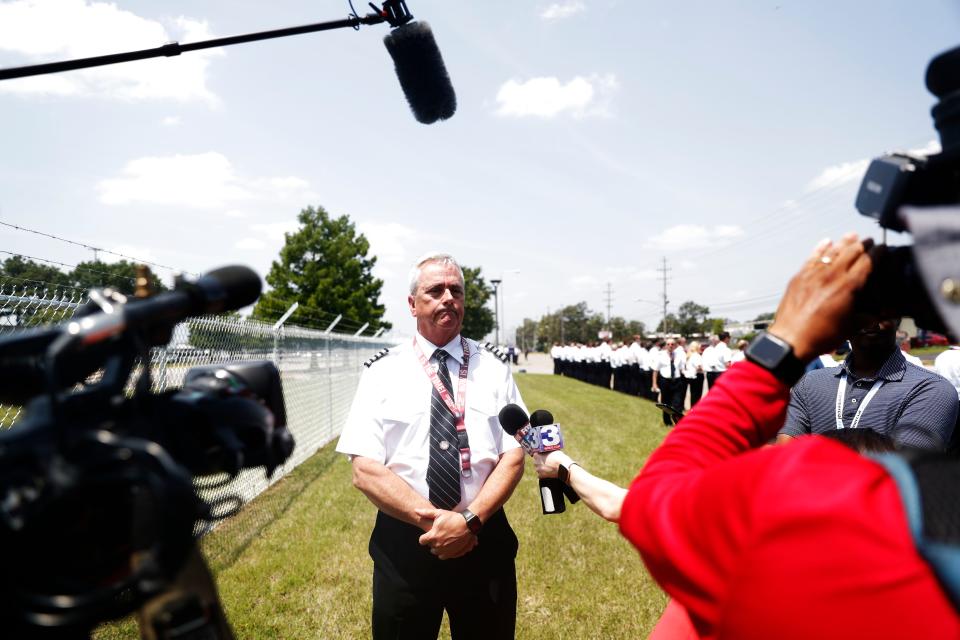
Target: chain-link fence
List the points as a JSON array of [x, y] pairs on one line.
[[319, 370]]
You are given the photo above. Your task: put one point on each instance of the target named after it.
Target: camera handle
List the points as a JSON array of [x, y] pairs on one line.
[[190, 608]]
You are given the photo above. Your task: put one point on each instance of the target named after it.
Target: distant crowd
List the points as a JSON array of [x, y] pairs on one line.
[[644, 367]]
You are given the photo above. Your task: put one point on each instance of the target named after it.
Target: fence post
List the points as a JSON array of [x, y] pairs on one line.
[[278, 329]]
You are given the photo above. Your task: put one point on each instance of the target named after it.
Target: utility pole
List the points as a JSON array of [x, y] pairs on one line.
[[496, 311], [609, 297], [664, 270]]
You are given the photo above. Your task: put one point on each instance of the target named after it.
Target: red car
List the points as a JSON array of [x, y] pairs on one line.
[[930, 339]]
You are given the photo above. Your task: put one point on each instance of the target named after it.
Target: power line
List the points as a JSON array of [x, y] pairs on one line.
[[92, 248]]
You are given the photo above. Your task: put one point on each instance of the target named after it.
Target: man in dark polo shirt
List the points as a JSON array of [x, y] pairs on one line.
[[875, 388]]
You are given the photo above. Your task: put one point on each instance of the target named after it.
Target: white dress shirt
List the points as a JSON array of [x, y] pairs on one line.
[[663, 364], [693, 366], [640, 356], [723, 356], [913, 359], [389, 420], [709, 356], [653, 358], [947, 364]]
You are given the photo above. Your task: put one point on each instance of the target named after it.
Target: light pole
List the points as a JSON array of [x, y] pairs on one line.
[[503, 303], [496, 310]]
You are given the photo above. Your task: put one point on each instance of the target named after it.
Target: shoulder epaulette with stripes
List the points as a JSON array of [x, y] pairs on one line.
[[376, 356], [495, 350]]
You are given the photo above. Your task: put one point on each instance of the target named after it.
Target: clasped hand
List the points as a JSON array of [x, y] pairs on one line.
[[448, 536]]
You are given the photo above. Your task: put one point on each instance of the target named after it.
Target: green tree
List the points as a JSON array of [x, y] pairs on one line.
[[715, 325], [120, 275], [33, 274], [623, 330], [691, 318], [669, 324], [324, 266], [526, 337], [24, 277], [769, 315], [477, 316]]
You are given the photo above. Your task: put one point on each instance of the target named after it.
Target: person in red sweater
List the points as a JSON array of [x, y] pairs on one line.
[[804, 541]]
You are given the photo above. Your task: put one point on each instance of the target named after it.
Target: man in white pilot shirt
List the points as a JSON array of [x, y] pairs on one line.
[[436, 546]]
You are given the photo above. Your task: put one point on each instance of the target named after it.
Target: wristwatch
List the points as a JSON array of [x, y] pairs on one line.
[[563, 471], [776, 356], [473, 521]]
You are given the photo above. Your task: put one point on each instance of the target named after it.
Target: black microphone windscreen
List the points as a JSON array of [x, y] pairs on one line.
[[229, 288], [421, 72], [512, 418], [942, 73], [541, 417]]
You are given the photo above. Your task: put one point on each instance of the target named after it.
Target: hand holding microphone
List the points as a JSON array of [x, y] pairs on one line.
[[539, 434]]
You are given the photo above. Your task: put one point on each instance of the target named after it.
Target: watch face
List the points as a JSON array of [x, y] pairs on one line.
[[767, 351]]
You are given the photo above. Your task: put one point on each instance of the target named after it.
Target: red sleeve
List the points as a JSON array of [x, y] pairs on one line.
[[689, 511]]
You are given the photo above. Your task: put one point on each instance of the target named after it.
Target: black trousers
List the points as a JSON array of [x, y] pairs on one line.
[[412, 588], [712, 377], [696, 389], [672, 392], [646, 381]]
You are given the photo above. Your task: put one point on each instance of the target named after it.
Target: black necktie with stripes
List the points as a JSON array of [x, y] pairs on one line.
[[443, 473]]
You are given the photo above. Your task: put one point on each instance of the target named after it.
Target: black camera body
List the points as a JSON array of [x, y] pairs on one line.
[[898, 190], [98, 505]]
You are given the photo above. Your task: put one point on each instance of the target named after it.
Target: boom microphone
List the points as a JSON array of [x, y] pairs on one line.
[[422, 74]]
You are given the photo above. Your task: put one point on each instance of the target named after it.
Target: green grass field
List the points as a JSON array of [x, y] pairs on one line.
[[294, 563]]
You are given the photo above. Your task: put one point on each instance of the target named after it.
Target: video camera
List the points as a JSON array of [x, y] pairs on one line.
[[909, 192], [97, 501]]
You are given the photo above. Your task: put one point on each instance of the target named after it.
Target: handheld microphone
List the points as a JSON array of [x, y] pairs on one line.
[[551, 439], [551, 489], [422, 74], [539, 434]]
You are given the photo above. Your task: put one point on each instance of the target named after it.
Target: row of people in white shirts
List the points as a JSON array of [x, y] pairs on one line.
[[716, 357]]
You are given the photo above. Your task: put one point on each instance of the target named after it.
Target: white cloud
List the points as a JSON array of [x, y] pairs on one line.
[[141, 254], [560, 10], [583, 282], [848, 172], [171, 121], [44, 30], [631, 273], [200, 181], [249, 244], [203, 181], [838, 174], [389, 241], [275, 231], [692, 236], [547, 97]]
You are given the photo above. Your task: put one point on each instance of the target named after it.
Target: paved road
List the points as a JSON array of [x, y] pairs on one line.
[[536, 363]]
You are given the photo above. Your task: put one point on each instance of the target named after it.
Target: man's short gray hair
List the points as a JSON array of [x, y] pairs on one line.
[[428, 258]]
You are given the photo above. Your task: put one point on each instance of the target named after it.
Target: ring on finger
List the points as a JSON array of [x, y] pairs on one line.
[[826, 259]]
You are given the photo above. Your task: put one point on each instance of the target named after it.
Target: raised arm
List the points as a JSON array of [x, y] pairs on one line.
[[602, 497]]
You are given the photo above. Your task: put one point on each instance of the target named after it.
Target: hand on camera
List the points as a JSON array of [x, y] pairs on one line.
[[815, 312]]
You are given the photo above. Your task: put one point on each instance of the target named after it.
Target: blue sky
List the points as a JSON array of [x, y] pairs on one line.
[[592, 139]]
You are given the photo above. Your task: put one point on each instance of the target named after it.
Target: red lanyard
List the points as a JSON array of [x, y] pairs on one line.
[[456, 409]]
